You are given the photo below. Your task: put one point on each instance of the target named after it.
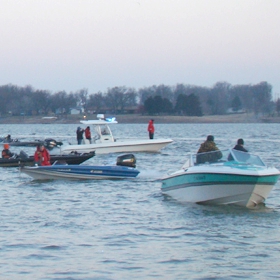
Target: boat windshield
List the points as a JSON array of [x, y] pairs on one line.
[[243, 157], [231, 156]]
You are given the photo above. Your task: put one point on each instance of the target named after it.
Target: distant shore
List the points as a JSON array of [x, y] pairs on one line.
[[133, 118]]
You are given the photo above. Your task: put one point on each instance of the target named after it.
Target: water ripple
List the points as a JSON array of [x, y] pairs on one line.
[[129, 229]]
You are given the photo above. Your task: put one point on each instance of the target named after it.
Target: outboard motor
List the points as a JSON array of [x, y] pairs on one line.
[[51, 143], [126, 160], [23, 155]]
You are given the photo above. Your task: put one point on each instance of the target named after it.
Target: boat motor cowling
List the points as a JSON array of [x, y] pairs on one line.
[[126, 160], [50, 143]]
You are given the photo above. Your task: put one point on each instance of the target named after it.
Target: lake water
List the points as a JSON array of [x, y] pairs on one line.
[[128, 229]]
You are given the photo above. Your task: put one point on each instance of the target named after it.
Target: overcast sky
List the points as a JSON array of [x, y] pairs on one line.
[[99, 44]]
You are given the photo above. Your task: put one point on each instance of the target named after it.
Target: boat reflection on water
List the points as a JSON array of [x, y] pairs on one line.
[[236, 178]]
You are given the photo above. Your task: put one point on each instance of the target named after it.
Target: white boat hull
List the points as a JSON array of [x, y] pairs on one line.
[[241, 194], [154, 145]]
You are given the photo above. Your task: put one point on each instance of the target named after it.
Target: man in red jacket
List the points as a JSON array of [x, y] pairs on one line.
[[151, 129], [88, 134], [42, 156]]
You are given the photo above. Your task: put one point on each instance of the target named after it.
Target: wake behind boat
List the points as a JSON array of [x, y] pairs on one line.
[[104, 141], [237, 178], [125, 168]]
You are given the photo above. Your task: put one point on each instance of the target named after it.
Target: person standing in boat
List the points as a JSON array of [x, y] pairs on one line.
[[209, 145], [6, 153], [239, 146], [151, 129], [88, 134], [42, 156], [80, 137]]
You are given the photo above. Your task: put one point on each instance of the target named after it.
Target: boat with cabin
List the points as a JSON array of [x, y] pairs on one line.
[[104, 141]]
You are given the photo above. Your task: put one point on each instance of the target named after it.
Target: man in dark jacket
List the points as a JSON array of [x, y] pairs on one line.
[[80, 136], [239, 146]]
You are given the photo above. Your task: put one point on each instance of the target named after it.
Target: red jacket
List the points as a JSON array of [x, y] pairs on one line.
[[151, 127], [87, 133], [42, 157]]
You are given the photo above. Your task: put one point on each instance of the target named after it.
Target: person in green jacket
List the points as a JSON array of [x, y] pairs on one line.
[[208, 151]]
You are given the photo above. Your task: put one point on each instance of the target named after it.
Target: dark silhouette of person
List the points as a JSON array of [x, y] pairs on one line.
[[239, 146]]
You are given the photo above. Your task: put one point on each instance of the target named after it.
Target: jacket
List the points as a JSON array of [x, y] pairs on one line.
[[208, 146], [6, 153], [80, 133], [151, 127], [42, 157], [87, 133], [240, 148]]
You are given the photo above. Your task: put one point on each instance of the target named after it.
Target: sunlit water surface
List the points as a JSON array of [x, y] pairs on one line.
[[129, 229]]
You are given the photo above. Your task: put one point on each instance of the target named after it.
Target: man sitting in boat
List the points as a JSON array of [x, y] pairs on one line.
[[208, 151], [239, 146], [6, 153], [8, 138], [42, 156]]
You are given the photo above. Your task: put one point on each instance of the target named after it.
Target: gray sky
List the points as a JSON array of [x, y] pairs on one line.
[[98, 44]]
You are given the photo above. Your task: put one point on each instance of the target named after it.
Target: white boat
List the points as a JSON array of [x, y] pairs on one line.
[[124, 169], [104, 141], [236, 178]]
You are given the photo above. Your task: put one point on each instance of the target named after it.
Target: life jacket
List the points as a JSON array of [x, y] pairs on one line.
[[87, 133], [151, 127], [42, 157], [6, 154]]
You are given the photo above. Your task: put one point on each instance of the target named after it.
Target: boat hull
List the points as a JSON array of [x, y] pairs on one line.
[[29, 161], [154, 145], [81, 172], [221, 188]]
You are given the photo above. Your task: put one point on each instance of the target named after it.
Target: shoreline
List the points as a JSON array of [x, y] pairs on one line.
[[133, 118]]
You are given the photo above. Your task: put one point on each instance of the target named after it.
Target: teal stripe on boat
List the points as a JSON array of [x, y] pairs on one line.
[[187, 180]]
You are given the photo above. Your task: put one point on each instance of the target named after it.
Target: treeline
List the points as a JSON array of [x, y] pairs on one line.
[[181, 99]]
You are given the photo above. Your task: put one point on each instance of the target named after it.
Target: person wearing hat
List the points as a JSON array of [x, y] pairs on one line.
[[42, 156], [239, 146], [6, 153], [206, 147], [151, 129], [80, 136]]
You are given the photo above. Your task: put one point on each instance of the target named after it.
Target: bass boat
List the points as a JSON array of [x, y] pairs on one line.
[[104, 141], [24, 159], [125, 168], [49, 143], [235, 178]]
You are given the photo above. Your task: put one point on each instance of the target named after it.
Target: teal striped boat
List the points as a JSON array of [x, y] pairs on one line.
[[235, 178]]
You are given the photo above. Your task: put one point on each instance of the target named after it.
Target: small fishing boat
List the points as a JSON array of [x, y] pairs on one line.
[[16, 142], [104, 141], [24, 159], [125, 168], [49, 143], [237, 178]]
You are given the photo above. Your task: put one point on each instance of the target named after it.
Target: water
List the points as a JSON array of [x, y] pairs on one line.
[[128, 229]]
